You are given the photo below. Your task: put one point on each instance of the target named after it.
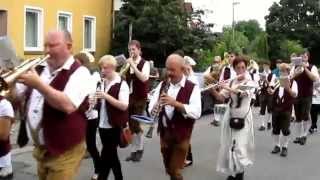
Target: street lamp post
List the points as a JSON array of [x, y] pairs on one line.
[[233, 4]]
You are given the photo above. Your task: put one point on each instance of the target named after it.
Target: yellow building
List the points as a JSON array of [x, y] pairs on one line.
[[26, 22]]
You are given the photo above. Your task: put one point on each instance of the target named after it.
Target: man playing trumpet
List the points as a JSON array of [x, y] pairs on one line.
[[305, 75], [282, 101], [182, 106], [55, 113], [137, 78]]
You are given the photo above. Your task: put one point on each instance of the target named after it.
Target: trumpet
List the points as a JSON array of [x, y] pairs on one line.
[[125, 67], [9, 77]]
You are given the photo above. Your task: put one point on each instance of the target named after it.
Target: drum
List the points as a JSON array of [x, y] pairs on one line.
[[219, 111]]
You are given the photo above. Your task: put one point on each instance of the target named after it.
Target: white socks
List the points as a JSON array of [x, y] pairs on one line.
[[285, 141], [276, 140], [299, 130], [137, 142], [306, 126]]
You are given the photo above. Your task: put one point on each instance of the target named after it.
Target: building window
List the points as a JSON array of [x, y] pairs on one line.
[[33, 37], [3, 22], [65, 21], [89, 39]]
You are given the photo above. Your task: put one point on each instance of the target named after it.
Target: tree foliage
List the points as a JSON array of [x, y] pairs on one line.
[[250, 28], [162, 26], [294, 20]]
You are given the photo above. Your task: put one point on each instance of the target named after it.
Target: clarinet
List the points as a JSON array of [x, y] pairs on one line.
[[155, 112]]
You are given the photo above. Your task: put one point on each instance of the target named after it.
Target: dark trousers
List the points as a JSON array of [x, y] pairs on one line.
[[265, 102], [281, 122], [302, 108], [136, 107], [91, 143], [315, 109], [109, 155]]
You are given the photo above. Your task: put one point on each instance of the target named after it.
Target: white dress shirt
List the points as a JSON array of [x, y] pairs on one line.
[[192, 110], [76, 89], [294, 88], [123, 97], [6, 110], [145, 70]]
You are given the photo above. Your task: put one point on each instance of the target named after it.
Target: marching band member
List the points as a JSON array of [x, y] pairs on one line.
[[315, 107], [265, 98], [86, 58], [113, 103], [189, 62], [182, 107], [6, 120], [227, 71], [283, 99], [137, 79], [237, 136], [305, 78], [55, 97]]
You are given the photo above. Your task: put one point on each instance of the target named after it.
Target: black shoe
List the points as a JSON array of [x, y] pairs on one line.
[[231, 178], [138, 156], [239, 176], [276, 150], [215, 123], [297, 140], [303, 140], [269, 126], [313, 130], [132, 156], [262, 128], [284, 152]]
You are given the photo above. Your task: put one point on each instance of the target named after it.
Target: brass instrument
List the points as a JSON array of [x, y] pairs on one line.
[[213, 75], [125, 67], [9, 77], [155, 112], [215, 84]]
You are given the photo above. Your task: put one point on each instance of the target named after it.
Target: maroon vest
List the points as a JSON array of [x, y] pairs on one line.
[[227, 73], [5, 146], [283, 104], [305, 84], [139, 88], [63, 131], [116, 117], [179, 126], [265, 84]]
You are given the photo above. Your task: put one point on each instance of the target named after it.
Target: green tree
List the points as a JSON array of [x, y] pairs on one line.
[[250, 28], [288, 47], [258, 48], [162, 26], [294, 20]]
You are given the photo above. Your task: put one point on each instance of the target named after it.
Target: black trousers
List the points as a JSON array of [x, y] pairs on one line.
[[189, 155], [315, 109], [302, 108], [265, 102], [91, 143], [109, 155], [281, 122]]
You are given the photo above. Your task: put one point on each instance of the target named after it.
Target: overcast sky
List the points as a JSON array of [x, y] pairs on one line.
[[222, 11]]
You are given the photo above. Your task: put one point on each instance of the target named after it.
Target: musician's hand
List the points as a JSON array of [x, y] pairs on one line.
[[270, 91], [101, 95], [243, 93], [131, 62], [241, 77], [30, 79], [167, 100]]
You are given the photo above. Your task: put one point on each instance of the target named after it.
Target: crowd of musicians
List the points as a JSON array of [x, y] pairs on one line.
[[62, 104]]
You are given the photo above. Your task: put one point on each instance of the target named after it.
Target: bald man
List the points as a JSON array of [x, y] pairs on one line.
[[182, 106], [56, 102]]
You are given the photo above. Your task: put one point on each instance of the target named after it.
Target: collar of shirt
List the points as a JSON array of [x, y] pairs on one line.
[[67, 65], [108, 84], [181, 83]]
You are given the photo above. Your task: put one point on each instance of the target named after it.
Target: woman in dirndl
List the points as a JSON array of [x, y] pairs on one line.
[[237, 143]]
